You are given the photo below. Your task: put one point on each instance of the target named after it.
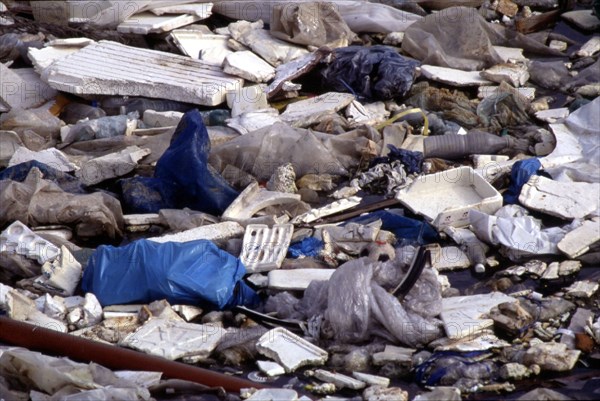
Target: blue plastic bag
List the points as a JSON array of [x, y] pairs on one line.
[[404, 228], [194, 272], [310, 247], [520, 173], [183, 177]]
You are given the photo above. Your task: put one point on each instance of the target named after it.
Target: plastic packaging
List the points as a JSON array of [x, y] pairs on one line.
[[194, 272], [260, 152], [459, 146], [73, 112], [182, 177], [453, 369], [406, 327], [361, 16], [376, 72]]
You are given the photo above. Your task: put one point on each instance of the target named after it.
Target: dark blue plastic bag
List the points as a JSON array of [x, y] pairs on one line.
[[183, 176], [194, 272], [374, 72], [65, 181], [404, 228], [520, 173], [310, 246]]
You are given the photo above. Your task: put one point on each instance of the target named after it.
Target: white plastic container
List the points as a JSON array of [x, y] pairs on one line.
[[445, 198]]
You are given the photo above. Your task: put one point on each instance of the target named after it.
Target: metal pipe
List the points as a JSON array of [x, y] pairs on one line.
[[52, 342]]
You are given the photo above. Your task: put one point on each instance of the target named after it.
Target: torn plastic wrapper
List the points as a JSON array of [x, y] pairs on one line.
[[194, 272]]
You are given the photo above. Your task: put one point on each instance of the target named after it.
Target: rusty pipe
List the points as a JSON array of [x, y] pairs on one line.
[[52, 342]]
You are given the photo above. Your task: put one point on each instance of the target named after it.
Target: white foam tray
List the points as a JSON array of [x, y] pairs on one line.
[[445, 198], [265, 248], [18, 238]]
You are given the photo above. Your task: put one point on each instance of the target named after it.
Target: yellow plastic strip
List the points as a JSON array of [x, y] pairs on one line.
[[405, 113]]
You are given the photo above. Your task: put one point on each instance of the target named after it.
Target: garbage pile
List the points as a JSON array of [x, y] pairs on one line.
[[299, 200]]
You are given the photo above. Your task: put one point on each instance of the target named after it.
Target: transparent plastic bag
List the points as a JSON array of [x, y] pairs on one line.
[[349, 301]]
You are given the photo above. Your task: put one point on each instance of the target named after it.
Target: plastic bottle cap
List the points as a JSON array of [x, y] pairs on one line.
[[479, 268]]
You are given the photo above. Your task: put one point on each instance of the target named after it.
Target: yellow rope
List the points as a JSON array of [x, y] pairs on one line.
[[405, 113]]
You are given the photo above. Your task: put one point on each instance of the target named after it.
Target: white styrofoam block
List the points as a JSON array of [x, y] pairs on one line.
[[290, 350], [212, 232], [145, 23], [567, 200], [452, 76], [463, 316], [248, 65], [297, 279], [110, 68], [172, 339]]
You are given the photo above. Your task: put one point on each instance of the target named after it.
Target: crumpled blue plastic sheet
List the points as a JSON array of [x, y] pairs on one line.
[[183, 177], [194, 272], [520, 173]]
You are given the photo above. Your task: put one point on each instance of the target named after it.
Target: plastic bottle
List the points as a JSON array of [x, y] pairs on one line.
[[125, 105], [458, 146], [74, 112]]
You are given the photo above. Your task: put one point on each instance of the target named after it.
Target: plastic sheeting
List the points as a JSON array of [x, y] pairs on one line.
[[260, 152], [459, 37], [520, 234], [37, 202], [358, 308], [315, 23], [194, 272], [376, 72], [182, 177], [577, 153], [360, 15]]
